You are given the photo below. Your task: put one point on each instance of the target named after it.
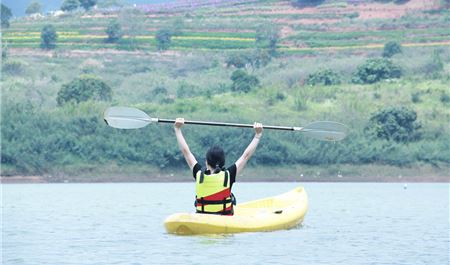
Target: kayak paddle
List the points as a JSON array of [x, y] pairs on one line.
[[132, 118]]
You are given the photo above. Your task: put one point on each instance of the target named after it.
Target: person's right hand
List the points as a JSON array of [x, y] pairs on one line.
[[258, 129], [179, 122]]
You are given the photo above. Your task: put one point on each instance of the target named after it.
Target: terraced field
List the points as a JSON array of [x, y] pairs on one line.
[[330, 26]]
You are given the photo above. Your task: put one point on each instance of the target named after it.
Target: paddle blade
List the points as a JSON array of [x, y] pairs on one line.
[[126, 118], [326, 130]]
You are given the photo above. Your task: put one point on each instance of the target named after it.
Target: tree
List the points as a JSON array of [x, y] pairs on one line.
[[83, 88], [6, 16], [243, 82], [375, 70], [394, 123], [326, 77], [391, 48], [267, 36], [114, 31], [133, 24], [70, 5], [48, 37], [237, 60], [163, 39], [33, 8], [88, 4], [302, 3]]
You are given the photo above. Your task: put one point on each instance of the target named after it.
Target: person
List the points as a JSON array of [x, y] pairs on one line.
[[214, 183]]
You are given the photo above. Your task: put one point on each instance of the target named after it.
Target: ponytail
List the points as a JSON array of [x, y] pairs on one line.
[[215, 157]]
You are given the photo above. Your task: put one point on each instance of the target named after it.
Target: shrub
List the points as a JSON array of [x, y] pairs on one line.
[[444, 98], [13, 67], [243, 82], [6, 15], [87, 4], [48, 37], [394, 123], [237, 60], [4, 50], [391, 48], [84, 88], [258, 58], [267, 36], [434, 67], [70, 5], [33, 8], [326, 77], [163, 39], [302, 3], [376, 69], [114, 31]]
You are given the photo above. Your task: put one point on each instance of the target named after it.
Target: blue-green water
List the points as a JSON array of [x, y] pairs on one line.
[[350, 223]]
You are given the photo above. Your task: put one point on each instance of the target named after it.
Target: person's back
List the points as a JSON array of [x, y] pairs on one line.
[[214, 183]]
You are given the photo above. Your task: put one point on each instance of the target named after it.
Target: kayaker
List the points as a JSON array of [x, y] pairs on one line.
[[214, 183]]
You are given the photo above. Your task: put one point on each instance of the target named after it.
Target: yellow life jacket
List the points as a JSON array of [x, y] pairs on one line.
[[213, 193]]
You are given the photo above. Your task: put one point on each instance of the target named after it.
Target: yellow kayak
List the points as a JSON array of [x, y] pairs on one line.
[[279, 212]]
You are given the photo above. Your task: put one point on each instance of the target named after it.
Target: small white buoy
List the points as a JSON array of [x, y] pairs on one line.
[[301, 175], [405, 186]]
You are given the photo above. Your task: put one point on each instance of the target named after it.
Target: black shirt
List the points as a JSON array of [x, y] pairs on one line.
[[232, 169]]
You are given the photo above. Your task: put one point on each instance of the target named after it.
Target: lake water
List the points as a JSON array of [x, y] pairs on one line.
[[347, 223]]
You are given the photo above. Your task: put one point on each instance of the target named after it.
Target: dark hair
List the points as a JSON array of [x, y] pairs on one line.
[[216, 158]]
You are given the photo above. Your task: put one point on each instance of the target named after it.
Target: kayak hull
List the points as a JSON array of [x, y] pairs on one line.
[[274, 213]]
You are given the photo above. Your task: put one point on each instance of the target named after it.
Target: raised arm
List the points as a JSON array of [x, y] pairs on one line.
[[242, 161], [190, 159]]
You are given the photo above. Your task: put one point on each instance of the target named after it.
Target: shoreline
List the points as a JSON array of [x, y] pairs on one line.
[[172, 179]]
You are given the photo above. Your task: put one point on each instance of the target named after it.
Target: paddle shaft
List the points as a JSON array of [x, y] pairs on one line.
[[240, 125]]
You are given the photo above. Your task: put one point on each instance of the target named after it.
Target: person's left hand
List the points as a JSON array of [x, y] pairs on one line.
[[179, 122]]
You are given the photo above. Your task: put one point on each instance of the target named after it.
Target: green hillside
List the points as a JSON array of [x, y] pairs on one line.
[[285, 48]]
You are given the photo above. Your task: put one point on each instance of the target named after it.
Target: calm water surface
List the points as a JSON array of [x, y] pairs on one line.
[[123, 224]]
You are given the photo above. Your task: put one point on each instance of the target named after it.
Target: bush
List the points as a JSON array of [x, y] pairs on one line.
[[48, 37], [302, 3], [114, 31], [258, 58], [13, 67], [435, 66], [326, 77], [394, 123], [391, 48], [375, 70], [267, 36], [237, 60], [84, 88], [163, 39], [243, 82], [87, 4], [6, 15], [70, 5], [33, 8]]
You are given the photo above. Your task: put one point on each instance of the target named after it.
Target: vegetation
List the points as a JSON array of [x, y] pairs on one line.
[[395, 123], [48, 37], [326, 77], [83, 88], [70, 5], [163, 39], [391, 48], [243, 82], [33, 8], [375, 70], [6, 15], [251, 62], [87, 4], [114, 31]]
